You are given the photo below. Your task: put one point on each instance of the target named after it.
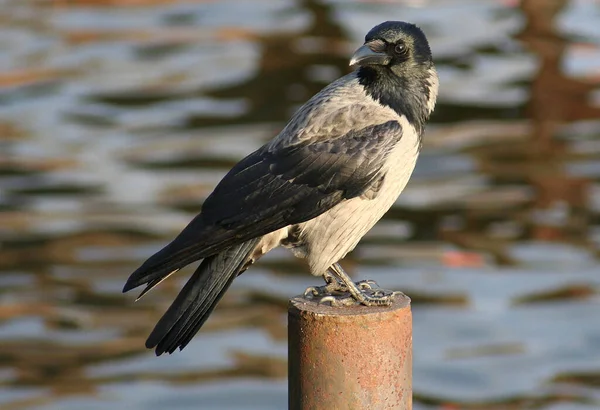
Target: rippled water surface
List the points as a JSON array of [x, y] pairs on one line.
[[117, 118]]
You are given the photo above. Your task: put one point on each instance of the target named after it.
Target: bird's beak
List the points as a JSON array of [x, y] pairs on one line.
[[366, 56]]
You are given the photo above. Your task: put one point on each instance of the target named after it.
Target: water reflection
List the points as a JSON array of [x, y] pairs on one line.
[[117, 119]]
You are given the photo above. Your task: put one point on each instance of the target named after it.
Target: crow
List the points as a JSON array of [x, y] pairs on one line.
[[316, 188]]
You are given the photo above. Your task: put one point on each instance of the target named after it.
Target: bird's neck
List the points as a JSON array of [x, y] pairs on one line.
[[412, 97]]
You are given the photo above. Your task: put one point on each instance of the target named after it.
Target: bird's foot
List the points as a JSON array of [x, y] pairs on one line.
[[364, 292], [335, 287], [340, 290], [332, 286], [368, 297]]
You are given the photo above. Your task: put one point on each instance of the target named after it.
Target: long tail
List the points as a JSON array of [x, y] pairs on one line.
[[198, 298]]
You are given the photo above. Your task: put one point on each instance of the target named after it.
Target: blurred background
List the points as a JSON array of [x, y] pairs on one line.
[[118, 117]]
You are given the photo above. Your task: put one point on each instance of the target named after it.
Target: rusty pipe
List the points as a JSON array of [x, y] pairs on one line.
[[354, 357]]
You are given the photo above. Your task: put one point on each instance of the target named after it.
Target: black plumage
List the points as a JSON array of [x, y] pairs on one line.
[[404, 90], [267, 191], [198, 298], [316, 188]]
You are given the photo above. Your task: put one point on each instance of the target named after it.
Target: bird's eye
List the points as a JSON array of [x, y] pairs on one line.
[[400, 48]]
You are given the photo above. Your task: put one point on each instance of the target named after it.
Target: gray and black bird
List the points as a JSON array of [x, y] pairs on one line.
[[316, 188]]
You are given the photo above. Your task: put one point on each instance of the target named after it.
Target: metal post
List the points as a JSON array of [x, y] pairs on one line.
[[349, 357]]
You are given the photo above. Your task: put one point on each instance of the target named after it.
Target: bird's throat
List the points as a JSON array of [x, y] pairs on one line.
[[408, 96]]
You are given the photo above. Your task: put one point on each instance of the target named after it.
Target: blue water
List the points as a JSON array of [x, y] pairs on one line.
[[117, 121]]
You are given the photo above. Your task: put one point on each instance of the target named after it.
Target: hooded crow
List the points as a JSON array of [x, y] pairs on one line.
[[316, 188]]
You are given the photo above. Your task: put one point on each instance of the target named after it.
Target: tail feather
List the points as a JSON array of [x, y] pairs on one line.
[[154, 283], [188, 247], [149, 273], [198, 298]]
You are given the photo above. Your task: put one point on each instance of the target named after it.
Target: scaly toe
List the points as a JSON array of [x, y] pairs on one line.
[[325, 290], [339, 301], [367, 284], [377, 298], [311, 292]]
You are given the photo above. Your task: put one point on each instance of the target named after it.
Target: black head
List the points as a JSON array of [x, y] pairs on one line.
[[395, 45], [396, 68]]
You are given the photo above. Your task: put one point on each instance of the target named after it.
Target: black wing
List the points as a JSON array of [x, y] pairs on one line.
[[267, 191]]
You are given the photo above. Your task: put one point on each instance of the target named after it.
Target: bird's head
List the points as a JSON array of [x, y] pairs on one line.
[[395, 45], [396, 67]]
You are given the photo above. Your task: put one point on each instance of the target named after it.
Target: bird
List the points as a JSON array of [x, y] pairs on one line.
[[316, 188]]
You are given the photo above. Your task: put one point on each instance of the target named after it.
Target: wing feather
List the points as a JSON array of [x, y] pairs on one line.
[[271, 189]]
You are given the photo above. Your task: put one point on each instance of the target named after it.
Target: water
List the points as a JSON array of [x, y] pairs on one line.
[[116, 121]]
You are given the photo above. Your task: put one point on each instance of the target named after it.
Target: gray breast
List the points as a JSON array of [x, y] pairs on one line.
[[329, 237]]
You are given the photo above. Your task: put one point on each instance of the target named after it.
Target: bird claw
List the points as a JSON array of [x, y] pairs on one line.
[[367, 284], [335, 287], [334, 301], [340, 290], [378, 297], [325, 290], [312, 291], [337, 294]]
